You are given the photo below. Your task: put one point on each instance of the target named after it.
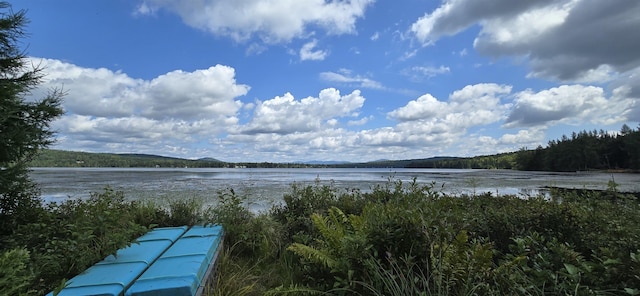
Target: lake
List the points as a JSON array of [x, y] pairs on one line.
[[263, 187]]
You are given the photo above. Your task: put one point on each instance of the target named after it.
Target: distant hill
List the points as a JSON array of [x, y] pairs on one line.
[[60, 158], [324, 162], [209, 159]]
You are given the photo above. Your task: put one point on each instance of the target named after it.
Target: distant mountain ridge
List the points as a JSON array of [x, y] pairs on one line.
[[60, 158], [324, 162]]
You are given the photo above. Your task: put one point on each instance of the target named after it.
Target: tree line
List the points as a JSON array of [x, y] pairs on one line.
[[60, 158], [585, 150]]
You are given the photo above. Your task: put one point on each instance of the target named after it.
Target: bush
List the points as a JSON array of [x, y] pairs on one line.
[[73, 235], [15, 276], [409, 238]]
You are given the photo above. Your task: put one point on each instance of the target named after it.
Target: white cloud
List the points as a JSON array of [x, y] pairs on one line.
[[425, 107], [347, 78], [569, 104], [431, 71], [518, 30], [361, 121], [273, 21], [473, 105], [286, 115], [307, 52], [419, 73], [110, 107], [435, 125], [99, 92], [375, 36], [415, 138], [475, 144], [201, 94], [255, 49], [523, 138], [453, 16]]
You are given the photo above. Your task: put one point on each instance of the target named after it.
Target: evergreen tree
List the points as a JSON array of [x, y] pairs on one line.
[[24, 123]]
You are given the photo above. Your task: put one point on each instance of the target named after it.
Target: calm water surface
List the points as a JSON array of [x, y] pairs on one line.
[[263, 187]]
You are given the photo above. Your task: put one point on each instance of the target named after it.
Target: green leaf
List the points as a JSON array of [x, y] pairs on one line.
[[571, 269], [632, 291]]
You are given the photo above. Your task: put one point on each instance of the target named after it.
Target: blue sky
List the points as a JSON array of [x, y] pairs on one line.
[[360, 80]]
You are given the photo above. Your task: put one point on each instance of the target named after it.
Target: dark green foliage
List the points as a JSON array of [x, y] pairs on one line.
[[245, 233], [497, 161], [411, 240], [586, 150], [71, 236], [24, 124], [303, 201], [15, 275]]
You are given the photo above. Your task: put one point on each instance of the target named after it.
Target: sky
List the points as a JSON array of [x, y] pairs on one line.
[[330, 80]]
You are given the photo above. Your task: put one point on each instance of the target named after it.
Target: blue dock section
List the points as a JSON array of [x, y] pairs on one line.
[[165, 261]]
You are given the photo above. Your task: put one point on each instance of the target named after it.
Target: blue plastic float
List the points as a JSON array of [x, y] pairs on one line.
[[165, 261]]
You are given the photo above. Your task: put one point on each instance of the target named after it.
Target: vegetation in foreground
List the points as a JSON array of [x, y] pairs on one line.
[[408, 239], [398, 239]]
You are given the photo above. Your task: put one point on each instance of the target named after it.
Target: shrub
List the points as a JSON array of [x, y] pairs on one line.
[[73, 235], [15, 276], [409, 238]]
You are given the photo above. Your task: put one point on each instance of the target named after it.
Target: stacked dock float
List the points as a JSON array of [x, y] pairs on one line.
[[165, 261]]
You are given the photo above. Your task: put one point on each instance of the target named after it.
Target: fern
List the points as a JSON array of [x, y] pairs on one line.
[[332, 228], [314, 255]]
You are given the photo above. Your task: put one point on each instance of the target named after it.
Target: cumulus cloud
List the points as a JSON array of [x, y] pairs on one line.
[[568, 40], [523, 138], [472, 105], [436, 124], [429, 122], [99, 92], [476, 144], [567, 104], [194, 95], [273, 21], [286, 115], [104, 106], [307, 52], [201, 94], [290, 129]]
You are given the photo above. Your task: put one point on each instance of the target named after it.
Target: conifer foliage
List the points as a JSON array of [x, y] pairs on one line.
[[24, 122]]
